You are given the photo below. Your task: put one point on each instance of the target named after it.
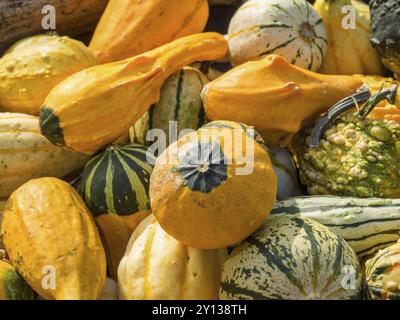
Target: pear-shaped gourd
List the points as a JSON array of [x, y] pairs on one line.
[[349, 49], [96, 106], [274, 96], [128, 28]]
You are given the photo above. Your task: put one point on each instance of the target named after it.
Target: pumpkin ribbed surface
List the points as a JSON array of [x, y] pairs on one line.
[[46, 226], [26, 154], [156, 266], [292, 258]]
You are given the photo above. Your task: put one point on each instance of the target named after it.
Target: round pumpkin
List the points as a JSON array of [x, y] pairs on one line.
[[383, 274], [292, 259], [290, 28], [212, 188], [157, 267]]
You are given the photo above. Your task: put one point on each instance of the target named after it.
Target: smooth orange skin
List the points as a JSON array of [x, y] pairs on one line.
[[275, 97], [225, 216], [131, 27]]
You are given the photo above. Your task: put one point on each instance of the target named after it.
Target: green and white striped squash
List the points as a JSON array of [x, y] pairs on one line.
[[26, 154], [12, 285], [292, 259], [383, 274], [290, 28], [180, 101], [117, 180], [285, 170], [367, 224]]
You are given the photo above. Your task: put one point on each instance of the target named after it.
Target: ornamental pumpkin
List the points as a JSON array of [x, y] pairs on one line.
[[383, 274], [275, 97], [33, 66], [12, 286], [129, 28], [290, 28], [26, 154], [349, 48], [384, 109], [157, 267], [51, 239], [292, 259], [94, 107], [212, 188], [180, 101]]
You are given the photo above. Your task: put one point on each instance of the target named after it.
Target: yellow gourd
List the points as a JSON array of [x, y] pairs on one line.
[[275, 97], [51, 239], [96, 106], [213, 187], [33, 66], [349, 48], [116, 231], [157, 267], [383, 110], [128, 28]]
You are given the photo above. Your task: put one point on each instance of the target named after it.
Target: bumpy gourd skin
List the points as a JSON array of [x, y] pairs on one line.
[[358, 158]]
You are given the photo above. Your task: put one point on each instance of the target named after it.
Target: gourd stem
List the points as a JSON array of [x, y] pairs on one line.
[[387, 94], [362, 95]]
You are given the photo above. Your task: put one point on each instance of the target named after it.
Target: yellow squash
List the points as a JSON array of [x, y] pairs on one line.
[[213, 187], [33, 66], [51, 239], [157, 267], [349, 48], [383, 110], [96, 106], [274, 96], [116, 231], [131, 27]]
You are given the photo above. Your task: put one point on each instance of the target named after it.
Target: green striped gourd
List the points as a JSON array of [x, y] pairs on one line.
[[294, 259], [289, 28], [26, 154], [366, 224], [116, 180], [383, 274], [179, 101], [288, 182], [12, 286]]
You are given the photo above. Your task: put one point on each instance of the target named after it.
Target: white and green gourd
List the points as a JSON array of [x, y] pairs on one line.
[[290, 28], [367, 224], [292, 259], [180, 101]]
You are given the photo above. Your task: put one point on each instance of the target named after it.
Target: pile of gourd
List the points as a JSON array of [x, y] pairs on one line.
[[93, 207]]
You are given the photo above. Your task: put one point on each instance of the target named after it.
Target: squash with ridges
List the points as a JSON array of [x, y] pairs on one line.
[[94, 107], [47, 227], [158, 267], [129, 28], [26, 154]]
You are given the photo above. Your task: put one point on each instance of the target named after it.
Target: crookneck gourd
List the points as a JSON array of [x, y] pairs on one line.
[[290, 28], [212, 188], [94, 107], [155, 266], [180, 108], [51, 239], [274, 96], [129, 28], [33, 66], [350, 155], [349, 48]]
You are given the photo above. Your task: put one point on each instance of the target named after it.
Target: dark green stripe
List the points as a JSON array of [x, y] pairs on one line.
[[308, 11], [179, 94], [96, 199], [392, 231], [201, 115], [376, 247], [319, 21], [282, 45], [311, 57], [356, 224], [136, 152], [298, 55], [279, 8], [231, 288], [275, 25], [320, 50], [50, 126], [142, 173], [298, 7], [320, 38]]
